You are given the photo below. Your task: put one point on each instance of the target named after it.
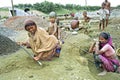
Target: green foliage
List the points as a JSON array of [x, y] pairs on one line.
[[62, 11], [23, 6], [118, 7], [92, 8], [69, 6], [3, 9], [77, 7], [47, 7]]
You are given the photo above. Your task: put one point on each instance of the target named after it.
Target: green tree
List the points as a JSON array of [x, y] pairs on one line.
[[69, 6], [77, 7], [45, 6], [23, 6], [118, 7]]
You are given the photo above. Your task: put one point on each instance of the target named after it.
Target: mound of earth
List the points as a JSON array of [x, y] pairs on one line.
[[74, 63], [7, 46], [115, 13], [17, 22], [115, 20], [8, 32]]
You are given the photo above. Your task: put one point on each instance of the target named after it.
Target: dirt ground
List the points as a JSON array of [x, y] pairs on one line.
[[75, 63]]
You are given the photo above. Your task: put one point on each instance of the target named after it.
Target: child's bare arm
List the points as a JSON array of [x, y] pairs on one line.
[[25, 43], [55, 29]]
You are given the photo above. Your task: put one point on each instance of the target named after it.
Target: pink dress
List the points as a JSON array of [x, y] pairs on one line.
[[107, 58]]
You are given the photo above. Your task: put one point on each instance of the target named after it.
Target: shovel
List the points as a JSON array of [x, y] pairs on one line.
[[30, 54]]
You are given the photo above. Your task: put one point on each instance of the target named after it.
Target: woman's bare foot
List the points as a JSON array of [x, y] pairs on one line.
[[38, 57], [102, 73], [56, 55]]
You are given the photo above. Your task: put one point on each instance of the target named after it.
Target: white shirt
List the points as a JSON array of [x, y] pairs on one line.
[[103, 13]]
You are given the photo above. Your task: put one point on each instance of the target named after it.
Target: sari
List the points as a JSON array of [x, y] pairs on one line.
[[42, 42]]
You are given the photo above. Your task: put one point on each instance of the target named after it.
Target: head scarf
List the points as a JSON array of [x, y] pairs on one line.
[[107, 37]]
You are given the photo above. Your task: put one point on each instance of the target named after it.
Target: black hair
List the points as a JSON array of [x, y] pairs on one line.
[[103, 4], [29, 23], [105, 35]]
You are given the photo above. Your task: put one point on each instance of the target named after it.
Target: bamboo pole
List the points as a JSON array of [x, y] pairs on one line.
[[86, 3], [13, 13]]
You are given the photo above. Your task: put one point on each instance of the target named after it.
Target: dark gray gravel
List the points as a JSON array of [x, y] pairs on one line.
[[7, 32], [7, 46]]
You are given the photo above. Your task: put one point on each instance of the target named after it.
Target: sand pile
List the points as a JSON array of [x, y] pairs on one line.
[[115, 20], [7, 46], [17, 22]]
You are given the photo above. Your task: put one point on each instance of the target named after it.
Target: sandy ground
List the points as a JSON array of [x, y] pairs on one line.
[[75, 63], [19, 66]]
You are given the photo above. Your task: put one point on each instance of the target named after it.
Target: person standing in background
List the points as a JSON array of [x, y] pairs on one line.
[[103, 15], [107, 7]]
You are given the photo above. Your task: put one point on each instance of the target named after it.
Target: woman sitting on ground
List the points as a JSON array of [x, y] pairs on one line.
[[105, 53], [42, 44]]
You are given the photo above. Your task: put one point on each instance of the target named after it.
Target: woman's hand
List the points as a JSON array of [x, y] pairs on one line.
[[92, 47], [21, 43], [97, 47]]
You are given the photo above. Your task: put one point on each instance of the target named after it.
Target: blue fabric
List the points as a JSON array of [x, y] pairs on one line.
[[58, 50]]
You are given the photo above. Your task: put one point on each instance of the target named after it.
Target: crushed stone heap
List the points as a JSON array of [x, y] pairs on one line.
[[7, 46]]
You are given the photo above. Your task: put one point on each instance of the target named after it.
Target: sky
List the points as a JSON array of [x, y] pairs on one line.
[[7, 3]]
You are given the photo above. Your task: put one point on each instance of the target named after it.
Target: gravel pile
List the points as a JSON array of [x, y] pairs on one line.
[[7, 46], [7, 31]]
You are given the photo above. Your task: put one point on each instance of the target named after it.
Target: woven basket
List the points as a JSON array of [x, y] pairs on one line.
[[118, 52]]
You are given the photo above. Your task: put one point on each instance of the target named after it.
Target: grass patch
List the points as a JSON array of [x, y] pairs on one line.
[[4, 9], [65, 11]]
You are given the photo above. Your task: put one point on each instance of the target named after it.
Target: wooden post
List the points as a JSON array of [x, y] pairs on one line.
[[13, 13], [85, 2]]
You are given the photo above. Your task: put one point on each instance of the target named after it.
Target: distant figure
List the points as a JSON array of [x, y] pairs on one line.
[[53, 27], [72, 14], [74, 25], [103, 15], [86, 21], [107, 6], [27, 10], [86, 18], [77, 14]]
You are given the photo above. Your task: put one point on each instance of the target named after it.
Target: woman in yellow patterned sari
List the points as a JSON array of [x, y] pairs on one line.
[[42, 44]]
